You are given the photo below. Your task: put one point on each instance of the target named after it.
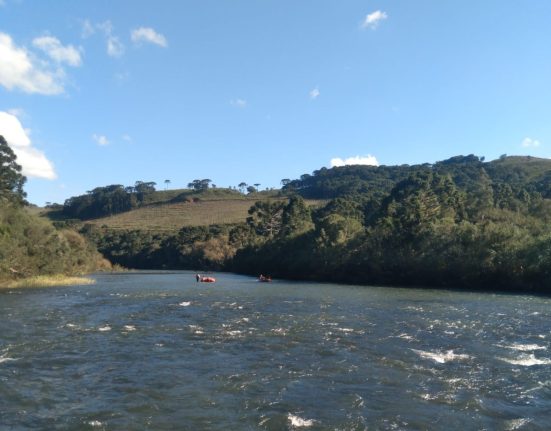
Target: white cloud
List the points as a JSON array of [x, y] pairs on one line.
[[127, 138], [314, 94], [357, 160], [147, 34], [33, 161], [239, 103], [530, 143], [106, 27], [87, 29], [56, 51], [373, 19], [20, 70], [16, 112], [115, 48], [100, 139]]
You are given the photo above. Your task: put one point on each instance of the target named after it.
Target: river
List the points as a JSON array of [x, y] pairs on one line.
[[158, 351]]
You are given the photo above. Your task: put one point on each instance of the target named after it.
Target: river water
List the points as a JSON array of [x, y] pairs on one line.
[[158, 351]]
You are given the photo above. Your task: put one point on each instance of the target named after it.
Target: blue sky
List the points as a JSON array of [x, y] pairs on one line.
[[94, 93]]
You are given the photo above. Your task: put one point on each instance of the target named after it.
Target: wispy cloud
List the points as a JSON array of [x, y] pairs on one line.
[[314, 94], [373, 19], [126, 138], [357, 160], [20, 69], [88, 29], [16, 112], [238, 103], [57, 52], [100, 139], [530, 143], [115, 48], [33, 162], [148, 35]]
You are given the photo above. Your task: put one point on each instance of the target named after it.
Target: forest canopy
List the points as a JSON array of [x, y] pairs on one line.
[[461, 222]]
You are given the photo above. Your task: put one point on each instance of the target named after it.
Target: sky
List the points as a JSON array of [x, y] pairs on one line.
[[94, 93]]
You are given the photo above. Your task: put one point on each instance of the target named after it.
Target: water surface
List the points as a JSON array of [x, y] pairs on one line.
[[158, 351]]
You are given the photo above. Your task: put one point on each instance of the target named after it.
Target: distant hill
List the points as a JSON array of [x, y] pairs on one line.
[[526, 172], [115, 207], [170, 210]]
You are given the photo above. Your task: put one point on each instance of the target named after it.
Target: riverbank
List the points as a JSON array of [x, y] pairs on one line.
[[47, 281]]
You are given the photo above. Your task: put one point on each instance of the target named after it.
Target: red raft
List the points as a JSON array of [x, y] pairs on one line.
[[207, 280], [204, 278]]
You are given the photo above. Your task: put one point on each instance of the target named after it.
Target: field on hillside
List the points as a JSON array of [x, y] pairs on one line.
[[173, 216]]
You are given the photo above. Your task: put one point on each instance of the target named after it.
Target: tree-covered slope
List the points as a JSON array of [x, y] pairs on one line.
[[30, 245], [461, 222]]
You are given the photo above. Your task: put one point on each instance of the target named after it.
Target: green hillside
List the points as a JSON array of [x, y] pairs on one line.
[[166, 210], [460, 222], [167, 217], [29, 245]]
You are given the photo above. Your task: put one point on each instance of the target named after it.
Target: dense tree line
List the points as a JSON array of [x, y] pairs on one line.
[[108, 200], [30, 245], [461, 222]]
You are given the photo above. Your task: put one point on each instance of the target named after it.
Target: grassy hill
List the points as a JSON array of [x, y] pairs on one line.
[[170, 210], [173, 216]]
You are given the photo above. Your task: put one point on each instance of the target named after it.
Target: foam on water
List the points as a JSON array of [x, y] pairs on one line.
[[523, 347], [234, 333], [527, 360], [129, 327], [405, 336], [104, 328], [299, 422], [515, 424], [196, 329], [280, 331], [185, 304], [441, 357], [5, 358]]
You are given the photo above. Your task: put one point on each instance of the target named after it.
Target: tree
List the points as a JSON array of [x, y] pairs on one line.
[[242, 186], [11, 179], [265, 218], [144, 189], [198, 185], [167, 182], [296, 217], [251, 189]]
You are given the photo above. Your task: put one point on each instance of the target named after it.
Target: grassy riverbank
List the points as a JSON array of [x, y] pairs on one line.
[[47, 281]]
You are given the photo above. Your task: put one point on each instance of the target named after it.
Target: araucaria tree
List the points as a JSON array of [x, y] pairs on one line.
[[11, 179]]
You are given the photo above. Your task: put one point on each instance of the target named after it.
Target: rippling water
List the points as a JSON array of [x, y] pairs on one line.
[[142, 351]]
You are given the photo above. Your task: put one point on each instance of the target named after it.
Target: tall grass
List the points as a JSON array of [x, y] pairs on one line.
[[47, 281]]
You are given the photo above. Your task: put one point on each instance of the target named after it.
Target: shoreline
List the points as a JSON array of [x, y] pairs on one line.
[[47, 281]]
